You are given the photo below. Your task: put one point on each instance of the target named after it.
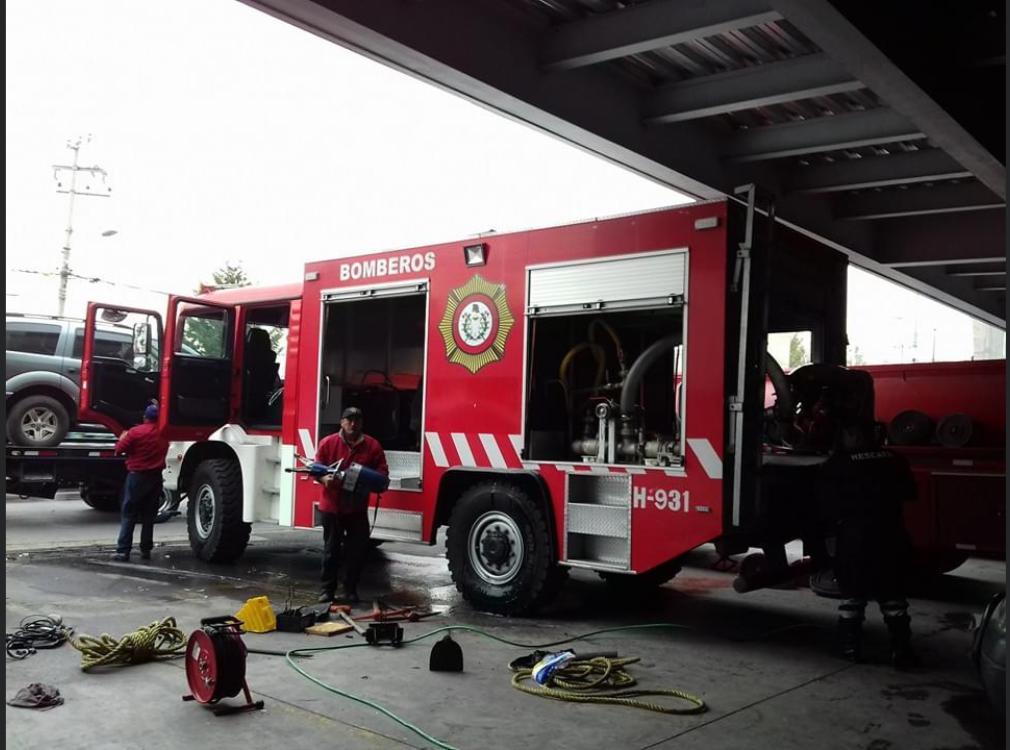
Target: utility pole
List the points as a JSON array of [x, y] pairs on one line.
[[58, 170]]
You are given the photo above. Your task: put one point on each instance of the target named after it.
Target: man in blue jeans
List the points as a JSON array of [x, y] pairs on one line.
[[145, 450]]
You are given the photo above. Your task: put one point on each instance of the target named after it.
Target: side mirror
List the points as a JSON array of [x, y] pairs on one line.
[[141, 339], [110, 315]]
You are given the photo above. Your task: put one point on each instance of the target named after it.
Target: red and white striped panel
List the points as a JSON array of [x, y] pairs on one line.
[[486, 450], [481, 450], [585, 468]]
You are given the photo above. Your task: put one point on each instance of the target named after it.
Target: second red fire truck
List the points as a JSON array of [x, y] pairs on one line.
[[587, 396]]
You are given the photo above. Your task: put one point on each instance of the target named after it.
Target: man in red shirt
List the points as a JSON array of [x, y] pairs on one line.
[[345, 514], [145, 450]]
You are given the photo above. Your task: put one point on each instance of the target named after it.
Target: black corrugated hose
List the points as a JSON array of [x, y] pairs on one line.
[[36, 632]]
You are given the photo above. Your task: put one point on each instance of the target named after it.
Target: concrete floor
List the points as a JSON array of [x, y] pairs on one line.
[[761, 660]]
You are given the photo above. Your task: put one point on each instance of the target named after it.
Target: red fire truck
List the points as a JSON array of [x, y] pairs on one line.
[[949, 420], [586, 396]]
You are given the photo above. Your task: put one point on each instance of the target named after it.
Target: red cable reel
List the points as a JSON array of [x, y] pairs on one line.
[[215, 665]]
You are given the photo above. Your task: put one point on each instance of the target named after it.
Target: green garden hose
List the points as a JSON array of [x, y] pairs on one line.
[[697, 705]]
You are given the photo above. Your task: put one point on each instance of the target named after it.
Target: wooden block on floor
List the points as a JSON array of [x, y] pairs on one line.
[[328, 628]]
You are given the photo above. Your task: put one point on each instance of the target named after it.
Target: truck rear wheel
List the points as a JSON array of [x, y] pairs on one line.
[[501, 555], [217, 532], [635, 586], [926, 563], [106, 502]]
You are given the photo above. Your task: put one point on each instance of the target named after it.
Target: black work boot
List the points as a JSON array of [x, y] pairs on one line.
[[902, 655], [849, 634], [326, 596]]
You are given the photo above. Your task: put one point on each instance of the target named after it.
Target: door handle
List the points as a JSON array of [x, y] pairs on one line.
[[326, 400]]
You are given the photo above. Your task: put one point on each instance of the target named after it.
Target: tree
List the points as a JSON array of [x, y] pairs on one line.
[[206, 335], [797, 352], [856, 357], [231, 275]]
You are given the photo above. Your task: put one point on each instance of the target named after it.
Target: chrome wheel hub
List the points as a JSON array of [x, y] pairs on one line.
[[205, 511], [495, 547]]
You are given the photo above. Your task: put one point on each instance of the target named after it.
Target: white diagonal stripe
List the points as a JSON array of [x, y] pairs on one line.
[[435, 446], [707, 457], [517, 445], [463, 449], [635, 470], [493, 451], [305, 438]]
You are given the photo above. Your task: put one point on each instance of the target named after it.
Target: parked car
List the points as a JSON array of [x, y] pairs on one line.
[[44, 374]]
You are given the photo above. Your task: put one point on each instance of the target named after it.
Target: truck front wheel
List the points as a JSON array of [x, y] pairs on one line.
[[501, 555], [217, 532]]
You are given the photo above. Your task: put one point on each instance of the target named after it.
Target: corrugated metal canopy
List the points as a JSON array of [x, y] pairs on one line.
[[790, 94]]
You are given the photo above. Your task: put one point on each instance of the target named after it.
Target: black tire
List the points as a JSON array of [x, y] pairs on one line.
[[106, 502], [38, 422], [635, 586], [501, 553], [217, 532]]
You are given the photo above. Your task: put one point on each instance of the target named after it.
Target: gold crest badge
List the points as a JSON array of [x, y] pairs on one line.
[[476, 324]]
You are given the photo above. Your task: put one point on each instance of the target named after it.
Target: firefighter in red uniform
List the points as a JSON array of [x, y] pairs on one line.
[[345, 514], [145, 450]]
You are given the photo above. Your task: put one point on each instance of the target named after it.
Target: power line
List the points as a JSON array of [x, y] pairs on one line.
[[90, 279]]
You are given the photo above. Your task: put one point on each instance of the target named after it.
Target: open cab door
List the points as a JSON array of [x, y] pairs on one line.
[[199, 380], [120, 368]]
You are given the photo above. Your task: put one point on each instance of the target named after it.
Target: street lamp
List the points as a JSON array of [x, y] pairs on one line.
[[65, 272]]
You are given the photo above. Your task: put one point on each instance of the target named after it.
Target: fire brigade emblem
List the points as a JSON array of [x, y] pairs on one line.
[[476, 324]]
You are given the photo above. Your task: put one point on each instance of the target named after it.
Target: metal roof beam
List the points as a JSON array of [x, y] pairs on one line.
[[949, 198], [1001, 272], [828, 133], [942, 240], [758, 86], [837, 37], [896, 169], [648, 26], [490, 52], [959, 293]]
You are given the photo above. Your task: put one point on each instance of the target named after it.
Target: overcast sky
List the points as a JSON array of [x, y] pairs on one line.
[[229, 136]]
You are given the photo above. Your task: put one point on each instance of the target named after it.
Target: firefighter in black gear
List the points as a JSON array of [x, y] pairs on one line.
[[862, 489]]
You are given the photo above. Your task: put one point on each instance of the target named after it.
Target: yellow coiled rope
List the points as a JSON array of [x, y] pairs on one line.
[[159, 639], [603, 680]]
